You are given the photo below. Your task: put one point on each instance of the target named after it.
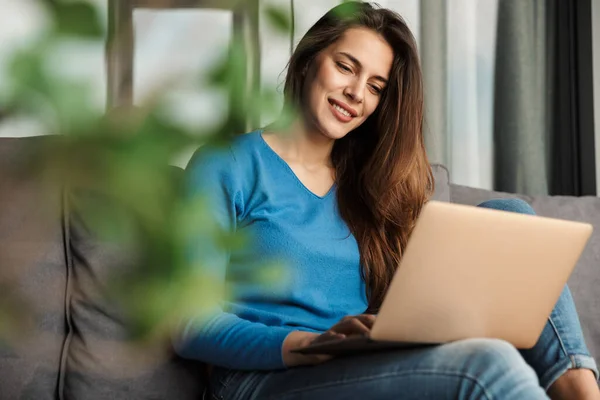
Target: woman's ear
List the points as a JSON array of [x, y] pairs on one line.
[[307, 66]]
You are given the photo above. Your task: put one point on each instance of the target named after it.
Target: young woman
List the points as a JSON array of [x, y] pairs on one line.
[[335, 197]]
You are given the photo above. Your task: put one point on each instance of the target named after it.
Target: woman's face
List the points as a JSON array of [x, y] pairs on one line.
[[344, 83]]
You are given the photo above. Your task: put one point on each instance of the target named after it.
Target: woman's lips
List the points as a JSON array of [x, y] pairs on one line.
[[341, 112]]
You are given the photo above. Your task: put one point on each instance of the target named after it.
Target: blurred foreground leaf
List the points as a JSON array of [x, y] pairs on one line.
[[347, 9], [122, 160], [76, 18], [278, 18]]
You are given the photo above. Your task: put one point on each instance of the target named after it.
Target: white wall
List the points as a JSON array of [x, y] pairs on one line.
[[171, 48]]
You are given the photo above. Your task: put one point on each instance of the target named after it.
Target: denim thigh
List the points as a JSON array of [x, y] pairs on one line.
[[466, 369]]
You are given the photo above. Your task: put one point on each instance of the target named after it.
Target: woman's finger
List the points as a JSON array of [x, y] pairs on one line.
[[353, 326], [367, 319], [328, 336]]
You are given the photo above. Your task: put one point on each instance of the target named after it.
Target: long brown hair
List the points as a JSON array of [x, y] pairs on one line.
[[382, 173]]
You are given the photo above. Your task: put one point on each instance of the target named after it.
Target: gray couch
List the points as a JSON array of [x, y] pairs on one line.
[[76, 345]]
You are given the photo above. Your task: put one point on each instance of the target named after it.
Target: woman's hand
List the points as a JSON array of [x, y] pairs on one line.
[[353, 325], [348, 326], [296, 340]]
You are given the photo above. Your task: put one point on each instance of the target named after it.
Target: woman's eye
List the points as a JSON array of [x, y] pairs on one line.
[[343, 67], [376, 89]]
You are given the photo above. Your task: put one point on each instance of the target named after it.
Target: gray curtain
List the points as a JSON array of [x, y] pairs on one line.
[[522, 96], [433, 52]]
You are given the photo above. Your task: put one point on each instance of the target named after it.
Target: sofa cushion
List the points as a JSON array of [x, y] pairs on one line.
[[104, 358], [585, 280], [33, 274]]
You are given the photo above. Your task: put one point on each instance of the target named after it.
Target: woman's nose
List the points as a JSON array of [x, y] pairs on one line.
[[354, 92]]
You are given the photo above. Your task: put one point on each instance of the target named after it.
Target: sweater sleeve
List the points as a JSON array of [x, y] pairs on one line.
[[217, 337]]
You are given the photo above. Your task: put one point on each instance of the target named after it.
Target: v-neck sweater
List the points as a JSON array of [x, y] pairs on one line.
[[253, 192]]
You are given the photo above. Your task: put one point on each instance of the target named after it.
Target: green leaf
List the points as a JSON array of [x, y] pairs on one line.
[[71, 101], [26, 70], [77, 19], [266, 103], [231, 71], [278, 18], [347, 9]]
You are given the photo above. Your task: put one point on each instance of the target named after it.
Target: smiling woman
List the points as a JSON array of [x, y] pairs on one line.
[[335, 195]]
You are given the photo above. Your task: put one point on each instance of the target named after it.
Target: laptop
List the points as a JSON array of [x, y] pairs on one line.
[[471, 272]]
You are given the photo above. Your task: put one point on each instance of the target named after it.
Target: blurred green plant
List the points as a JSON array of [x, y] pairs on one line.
[[348, 10], [120, 159]]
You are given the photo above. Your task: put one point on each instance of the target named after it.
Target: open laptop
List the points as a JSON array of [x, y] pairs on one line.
[[471, 272]]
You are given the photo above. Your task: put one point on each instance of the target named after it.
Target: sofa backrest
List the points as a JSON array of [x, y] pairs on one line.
[[104, 358], [33, 276], [78, 344]]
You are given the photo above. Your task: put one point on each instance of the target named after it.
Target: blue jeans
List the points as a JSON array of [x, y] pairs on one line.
[[466, 369]]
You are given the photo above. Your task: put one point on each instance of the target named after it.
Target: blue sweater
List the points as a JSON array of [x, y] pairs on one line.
[[254, 192]]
